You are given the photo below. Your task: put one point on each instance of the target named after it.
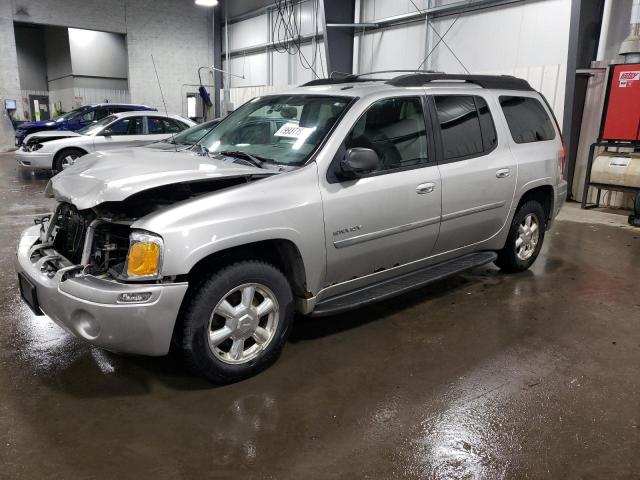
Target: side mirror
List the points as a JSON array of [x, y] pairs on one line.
[[358, 162], [107, 132]]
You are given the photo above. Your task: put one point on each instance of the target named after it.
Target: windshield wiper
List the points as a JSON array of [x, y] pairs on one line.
[[257, 161], [200, 150]]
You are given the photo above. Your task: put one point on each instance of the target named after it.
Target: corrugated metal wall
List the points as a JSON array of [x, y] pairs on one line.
[[528, 40]]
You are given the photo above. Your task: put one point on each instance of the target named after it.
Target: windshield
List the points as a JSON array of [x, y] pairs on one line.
[[281, 129], [68, 115], [190, 136], [95, 127]]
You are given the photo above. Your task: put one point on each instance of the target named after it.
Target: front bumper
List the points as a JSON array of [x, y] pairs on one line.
[[35, 160], [88, 307]]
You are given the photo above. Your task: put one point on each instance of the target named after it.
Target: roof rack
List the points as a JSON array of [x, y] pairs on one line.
[[416, 78], [504, 82]]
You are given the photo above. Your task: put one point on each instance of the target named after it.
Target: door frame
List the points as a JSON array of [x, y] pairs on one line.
[[32, 111]]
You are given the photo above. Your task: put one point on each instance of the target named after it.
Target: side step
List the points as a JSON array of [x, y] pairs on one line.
[[398, 285]]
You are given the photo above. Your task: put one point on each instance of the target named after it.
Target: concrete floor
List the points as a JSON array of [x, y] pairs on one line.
[[486, 375]]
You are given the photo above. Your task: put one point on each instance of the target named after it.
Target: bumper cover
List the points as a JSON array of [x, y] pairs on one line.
[[35, 159], [88, 306]]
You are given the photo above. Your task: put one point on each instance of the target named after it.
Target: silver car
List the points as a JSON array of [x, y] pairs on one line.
[[330, 196], [57, 150]]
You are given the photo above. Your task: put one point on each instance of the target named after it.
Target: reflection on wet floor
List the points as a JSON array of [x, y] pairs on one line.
[[481, 376]]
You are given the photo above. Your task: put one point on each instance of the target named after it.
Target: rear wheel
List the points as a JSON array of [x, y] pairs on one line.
[[65, 158], [236, 322], [525, 238]]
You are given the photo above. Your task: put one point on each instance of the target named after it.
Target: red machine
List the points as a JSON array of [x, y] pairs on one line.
[[621, 114]]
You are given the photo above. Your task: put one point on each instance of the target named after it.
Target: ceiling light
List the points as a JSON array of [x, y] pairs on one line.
[[207, 3]]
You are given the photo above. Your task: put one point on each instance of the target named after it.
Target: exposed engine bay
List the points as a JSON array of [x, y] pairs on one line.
[[98, 238]]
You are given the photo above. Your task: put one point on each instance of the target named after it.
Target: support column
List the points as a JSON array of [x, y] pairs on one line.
[[584, 33], [9, 78], [338, 41], [217, 59]]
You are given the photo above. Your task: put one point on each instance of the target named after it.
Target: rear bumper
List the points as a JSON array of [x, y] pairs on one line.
[[558, 201], [88, 306], [35, 160]]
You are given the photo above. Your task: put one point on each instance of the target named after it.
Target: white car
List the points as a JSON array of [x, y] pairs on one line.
[[56, 150]]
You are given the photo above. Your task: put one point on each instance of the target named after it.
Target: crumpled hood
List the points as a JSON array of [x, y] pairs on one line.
[[113, 176], [47, 135]]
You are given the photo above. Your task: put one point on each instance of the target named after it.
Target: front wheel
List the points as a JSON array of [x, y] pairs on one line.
[[236, 323], [65, 158], [525, 238]]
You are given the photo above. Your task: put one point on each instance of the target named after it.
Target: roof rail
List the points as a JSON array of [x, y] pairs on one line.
[[504, 82], [417, 78], [341, 77]]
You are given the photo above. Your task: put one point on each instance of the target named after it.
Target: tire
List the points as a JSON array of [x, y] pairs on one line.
[[523, 246], [62, 155], [209, 340]]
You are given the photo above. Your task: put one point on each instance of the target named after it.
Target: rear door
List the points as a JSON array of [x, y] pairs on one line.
[[390, 217], [477, 169], [160, 128]]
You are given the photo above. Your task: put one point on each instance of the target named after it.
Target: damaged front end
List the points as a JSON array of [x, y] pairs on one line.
[[97, 241]]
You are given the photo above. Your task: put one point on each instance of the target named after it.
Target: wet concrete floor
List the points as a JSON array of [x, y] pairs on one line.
[[486, 375]]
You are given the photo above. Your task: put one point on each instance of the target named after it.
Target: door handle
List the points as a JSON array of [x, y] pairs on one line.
[[425, 188], [503, 173]]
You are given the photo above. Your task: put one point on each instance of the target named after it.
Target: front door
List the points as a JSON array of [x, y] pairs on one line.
[[126, 132], [390, 217], [39, 107], [478, 172]]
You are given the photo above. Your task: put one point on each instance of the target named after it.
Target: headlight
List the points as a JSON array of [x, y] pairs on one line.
[[34, 147], [144, 259]]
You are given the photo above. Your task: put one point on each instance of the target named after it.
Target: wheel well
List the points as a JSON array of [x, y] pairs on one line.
[[543, 195], [66, 149], [282, 254]]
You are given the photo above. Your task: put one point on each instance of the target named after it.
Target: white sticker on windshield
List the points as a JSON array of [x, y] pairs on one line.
[[291, 130]]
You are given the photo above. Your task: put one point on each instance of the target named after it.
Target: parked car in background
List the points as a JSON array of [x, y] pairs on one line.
[[186, 138], [76, 119], [367, 190], [57, 150]]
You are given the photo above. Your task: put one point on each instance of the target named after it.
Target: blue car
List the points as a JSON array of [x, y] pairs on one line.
[[76, 119]]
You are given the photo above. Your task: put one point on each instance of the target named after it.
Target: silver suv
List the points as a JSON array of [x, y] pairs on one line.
[[333, 195]]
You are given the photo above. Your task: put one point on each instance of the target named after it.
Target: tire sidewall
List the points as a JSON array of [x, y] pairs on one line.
[[57, 162], [510, 247], [207, 297]]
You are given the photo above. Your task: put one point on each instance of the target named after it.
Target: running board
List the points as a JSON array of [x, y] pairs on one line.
[[398, 285]]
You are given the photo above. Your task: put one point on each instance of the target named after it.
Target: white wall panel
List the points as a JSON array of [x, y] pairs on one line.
[[377, 9], [252, 67], [399, 47], [247, 33], [521, 35]]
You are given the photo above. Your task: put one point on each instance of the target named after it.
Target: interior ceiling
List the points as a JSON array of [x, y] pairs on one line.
[[240, 7]]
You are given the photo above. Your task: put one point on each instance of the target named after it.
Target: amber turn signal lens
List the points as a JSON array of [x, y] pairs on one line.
[[143, 259]]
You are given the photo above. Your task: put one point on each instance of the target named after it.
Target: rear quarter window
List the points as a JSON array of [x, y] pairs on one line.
[[527, 119]]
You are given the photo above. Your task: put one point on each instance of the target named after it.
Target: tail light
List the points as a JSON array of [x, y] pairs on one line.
[[563, 160]]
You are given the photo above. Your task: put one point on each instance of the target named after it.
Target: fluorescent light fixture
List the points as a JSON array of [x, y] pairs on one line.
[[207, 3]]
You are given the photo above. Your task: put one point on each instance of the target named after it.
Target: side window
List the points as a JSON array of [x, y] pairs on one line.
[[489, 136], [466, 126], [89, 116], [100, 113], [127, 126], [172, 126], [527, 119], [395, 128], [155, 125]]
